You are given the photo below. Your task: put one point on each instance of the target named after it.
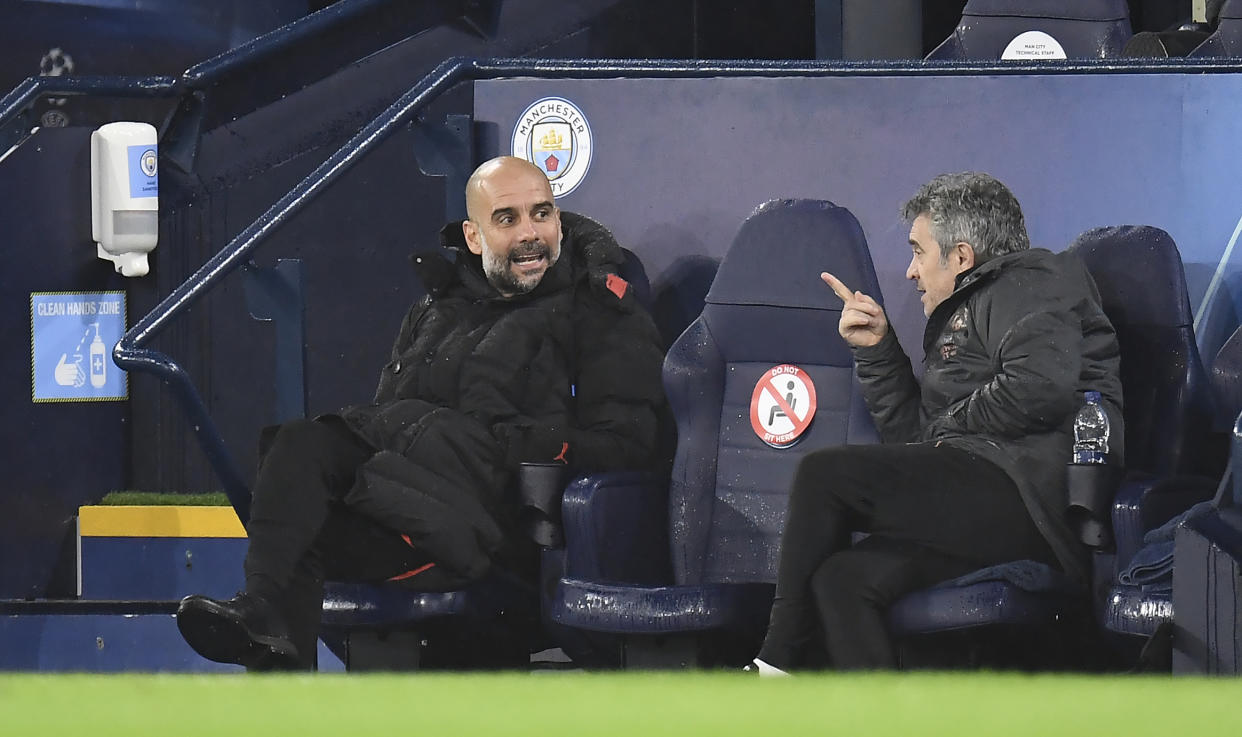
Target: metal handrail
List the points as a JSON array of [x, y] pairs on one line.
[[24, 95], [14, 128], [236, 61], [131, 354]]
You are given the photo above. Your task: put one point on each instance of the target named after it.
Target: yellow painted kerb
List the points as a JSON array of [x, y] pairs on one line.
[[162, 521]]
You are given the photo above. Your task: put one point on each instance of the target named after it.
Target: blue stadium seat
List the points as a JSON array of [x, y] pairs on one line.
[[1173, 455], [1136, 608], [997, 29], [492, 623], [653, 573], [1226, 40], [1168, 436]]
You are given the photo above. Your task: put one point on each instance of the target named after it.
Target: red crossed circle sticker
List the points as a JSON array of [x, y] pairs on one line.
[[783, 405]]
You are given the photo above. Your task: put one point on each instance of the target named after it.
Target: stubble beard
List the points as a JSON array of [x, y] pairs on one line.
[[499, 269]]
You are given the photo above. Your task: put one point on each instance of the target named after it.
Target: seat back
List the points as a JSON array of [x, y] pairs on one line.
[[1034, 30], [767, 307], [1226, 40], [1167, 406]]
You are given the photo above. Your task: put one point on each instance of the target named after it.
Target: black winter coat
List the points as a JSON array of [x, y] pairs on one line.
[[1007, 358], [478, 383]]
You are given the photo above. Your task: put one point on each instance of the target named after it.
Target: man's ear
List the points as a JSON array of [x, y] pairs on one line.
[[963, 257], [473, 241]]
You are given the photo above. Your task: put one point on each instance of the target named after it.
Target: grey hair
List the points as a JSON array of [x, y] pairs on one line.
[[970, 207]]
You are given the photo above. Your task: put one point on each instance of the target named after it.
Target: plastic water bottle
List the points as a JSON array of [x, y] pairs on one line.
[[1091, 432]]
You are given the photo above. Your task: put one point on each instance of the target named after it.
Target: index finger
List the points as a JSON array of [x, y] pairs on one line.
[[837, 286]]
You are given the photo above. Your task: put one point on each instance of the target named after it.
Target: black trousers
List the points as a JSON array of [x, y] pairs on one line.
[[933, 513], [301, 532]]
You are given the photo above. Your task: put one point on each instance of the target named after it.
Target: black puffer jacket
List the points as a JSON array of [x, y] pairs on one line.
[[478, 383], [1008, 356]]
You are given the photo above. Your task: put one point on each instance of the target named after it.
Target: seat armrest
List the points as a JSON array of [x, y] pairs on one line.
[[1144, 503], [539, 487], [1208, 609], [1220, 527], [616, 528]]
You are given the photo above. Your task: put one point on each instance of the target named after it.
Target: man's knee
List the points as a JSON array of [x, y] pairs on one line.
[[846, 463], [845, 475], [303, 436], [856, 577], [300, 447]]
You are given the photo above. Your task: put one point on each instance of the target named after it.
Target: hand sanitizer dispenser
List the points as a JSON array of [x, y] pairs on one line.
[[125, 194]]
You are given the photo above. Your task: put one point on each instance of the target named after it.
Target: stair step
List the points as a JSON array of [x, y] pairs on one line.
[[96, 636], [104, 636], [159, 552], [159, 521]]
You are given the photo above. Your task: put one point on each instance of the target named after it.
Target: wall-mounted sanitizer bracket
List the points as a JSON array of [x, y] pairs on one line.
[[125, 194]]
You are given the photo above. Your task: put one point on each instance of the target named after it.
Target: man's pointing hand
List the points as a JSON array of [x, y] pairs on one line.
[[863, 322]]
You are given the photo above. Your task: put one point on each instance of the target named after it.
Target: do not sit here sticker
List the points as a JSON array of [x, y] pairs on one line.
[[782, 405]]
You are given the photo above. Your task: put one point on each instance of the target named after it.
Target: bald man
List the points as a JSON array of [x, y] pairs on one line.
[[527, 347]]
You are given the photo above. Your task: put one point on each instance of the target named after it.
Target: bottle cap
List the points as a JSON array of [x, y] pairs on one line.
[[1092, 397]]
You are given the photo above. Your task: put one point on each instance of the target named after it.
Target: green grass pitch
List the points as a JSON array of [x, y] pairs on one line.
[[630, 704]]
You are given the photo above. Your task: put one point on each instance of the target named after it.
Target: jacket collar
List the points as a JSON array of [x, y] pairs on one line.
[[587, 249], [969, 280], [967, 283]]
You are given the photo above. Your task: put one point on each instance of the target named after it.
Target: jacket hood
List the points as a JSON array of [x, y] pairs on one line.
[[1035, 270], [1037, 265], [1037, 261]]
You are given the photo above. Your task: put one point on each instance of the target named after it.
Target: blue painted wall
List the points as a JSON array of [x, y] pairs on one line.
[[679, 163], [56, 455]]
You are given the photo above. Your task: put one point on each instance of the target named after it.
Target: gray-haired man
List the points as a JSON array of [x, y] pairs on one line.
[[971, 469]]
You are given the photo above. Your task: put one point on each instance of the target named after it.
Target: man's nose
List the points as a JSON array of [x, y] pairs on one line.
[[527, 230], [911, 272]]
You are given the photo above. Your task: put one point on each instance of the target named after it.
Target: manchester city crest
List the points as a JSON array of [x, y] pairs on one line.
[[553, 134], [149, 162]]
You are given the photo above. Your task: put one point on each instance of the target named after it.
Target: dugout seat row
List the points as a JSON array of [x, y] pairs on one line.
[[655, 572], [613, 598], [1036, 30]]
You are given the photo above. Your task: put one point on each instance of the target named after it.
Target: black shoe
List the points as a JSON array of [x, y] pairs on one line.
[[245, 630]]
